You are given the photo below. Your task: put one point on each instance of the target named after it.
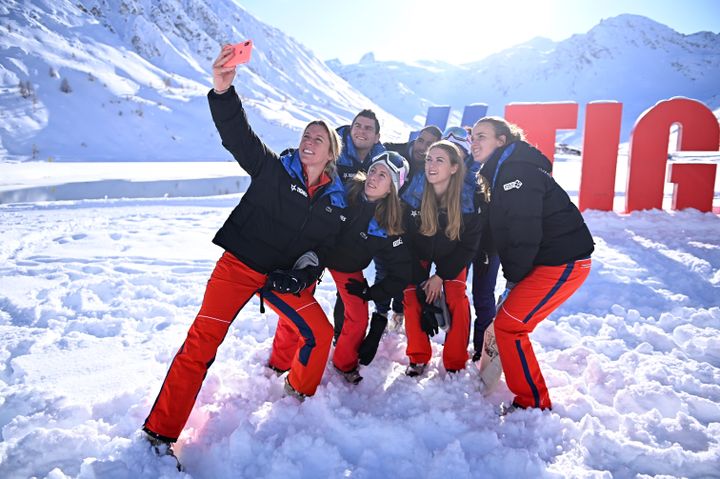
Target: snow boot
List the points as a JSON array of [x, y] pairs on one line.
[[278, 372], [353, 377], [415, 369], [162, 447], [290, 391]]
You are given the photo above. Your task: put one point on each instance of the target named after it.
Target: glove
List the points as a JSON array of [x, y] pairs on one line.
[[428, 321], [359, 289], [289, 281], [369, 345]]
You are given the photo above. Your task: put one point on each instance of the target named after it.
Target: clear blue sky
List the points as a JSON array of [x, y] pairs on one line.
[[457, 31]]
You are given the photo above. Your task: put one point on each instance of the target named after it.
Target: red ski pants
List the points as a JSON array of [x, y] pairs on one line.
[[302, 342], [345, 357], [455, 353], [529, 302]]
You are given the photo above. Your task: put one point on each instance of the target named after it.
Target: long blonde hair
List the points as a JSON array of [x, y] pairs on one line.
[[334, 147], [388, 212], [451, 200]]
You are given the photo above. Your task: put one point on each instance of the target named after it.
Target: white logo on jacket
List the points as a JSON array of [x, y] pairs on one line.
[[513, 184], [363, 235], [397, 242], [297, 189], [414, 213], [343, 218]]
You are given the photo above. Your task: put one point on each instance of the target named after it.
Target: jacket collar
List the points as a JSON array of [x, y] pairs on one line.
[[293, 166]]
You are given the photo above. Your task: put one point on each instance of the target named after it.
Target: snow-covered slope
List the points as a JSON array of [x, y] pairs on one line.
[[628, 58], [135, 74]]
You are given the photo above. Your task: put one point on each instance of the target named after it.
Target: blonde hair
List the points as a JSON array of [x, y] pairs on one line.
[[502, 127], [451, 200], [333, 148], [388, 212]]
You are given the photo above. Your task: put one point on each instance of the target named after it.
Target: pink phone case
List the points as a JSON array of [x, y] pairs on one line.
[[241, 54]]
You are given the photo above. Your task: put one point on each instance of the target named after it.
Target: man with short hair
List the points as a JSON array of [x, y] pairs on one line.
[[361, 143]]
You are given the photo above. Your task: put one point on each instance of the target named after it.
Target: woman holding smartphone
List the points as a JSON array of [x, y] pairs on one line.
[[372, 230], [275, 241], [443, 228]]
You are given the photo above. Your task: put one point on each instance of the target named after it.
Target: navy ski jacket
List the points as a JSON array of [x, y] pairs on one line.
[[276, 221], [531, 218], [361, 240], [450, 256]]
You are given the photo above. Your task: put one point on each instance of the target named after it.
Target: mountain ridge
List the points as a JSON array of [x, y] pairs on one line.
[[627, 58]]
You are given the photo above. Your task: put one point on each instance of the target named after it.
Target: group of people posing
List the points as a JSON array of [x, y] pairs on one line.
[[424, 212]]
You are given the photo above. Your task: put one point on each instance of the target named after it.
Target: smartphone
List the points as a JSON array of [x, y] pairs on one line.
[[241, 54]]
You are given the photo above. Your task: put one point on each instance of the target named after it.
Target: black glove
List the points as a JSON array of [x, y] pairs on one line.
[[361, 290], [428, 321], [289, 281], [369, 346]]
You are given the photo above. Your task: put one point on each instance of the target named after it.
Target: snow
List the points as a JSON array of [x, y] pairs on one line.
[[96, 295], [139, 71]]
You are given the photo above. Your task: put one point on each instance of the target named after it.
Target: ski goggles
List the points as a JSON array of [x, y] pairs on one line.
[[456, 133], [459, 136], [394, 162]]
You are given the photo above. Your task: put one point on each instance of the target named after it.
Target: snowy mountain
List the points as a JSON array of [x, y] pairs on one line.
[[628, 58], [127, 79]]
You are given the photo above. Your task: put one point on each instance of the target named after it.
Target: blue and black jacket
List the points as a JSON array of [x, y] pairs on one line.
[[450, 256], [531, 218], [276, 221], [363, 239]]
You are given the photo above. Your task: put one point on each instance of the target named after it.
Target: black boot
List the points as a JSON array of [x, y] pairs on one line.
[[370, 344]]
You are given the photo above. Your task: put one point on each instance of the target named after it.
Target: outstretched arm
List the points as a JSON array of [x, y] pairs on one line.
[[231, 121]]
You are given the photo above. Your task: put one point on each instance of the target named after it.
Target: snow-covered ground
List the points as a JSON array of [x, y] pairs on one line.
[[96, 295]]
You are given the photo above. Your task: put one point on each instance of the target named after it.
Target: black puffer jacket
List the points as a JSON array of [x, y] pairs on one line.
[[450, 256], [276, 220], [361, 240], [532, 220]]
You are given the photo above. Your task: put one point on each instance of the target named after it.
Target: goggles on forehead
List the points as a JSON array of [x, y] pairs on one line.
[[457, 133], [394, 162]]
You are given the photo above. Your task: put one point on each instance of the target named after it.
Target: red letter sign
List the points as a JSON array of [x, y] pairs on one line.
[[541, 120], [699, 131], [599, 158]]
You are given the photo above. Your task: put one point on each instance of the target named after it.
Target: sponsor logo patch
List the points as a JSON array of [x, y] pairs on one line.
[[297, 189], [397, 242], [513, 184]]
